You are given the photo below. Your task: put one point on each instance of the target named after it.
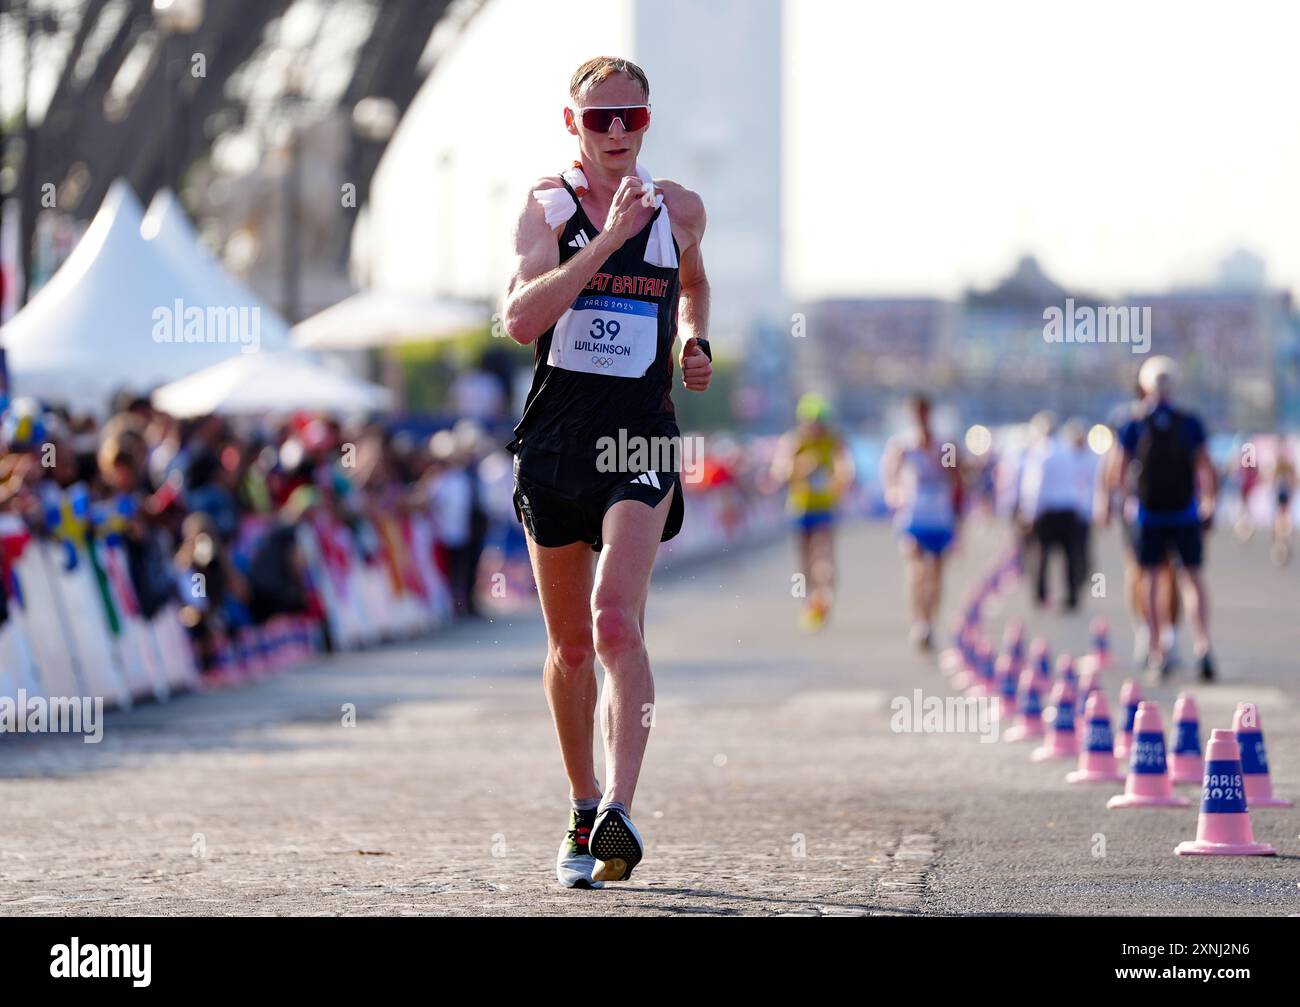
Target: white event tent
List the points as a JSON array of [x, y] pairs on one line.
[[124, 312], [273, 382]]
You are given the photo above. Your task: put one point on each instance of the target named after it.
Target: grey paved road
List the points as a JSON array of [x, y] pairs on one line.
[[773, 784]]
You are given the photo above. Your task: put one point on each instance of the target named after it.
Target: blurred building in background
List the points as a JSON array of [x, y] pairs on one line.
[[1237, 343]]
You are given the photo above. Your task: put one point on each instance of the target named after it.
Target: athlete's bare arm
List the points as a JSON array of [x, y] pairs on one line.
[[541, 289], [686, 210], [1209, 482], [1102, 488], [891, 474], [1117, 463], [782, 470], [843, 471]]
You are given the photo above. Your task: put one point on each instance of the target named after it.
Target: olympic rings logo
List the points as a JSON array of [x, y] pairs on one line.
[[605, 362]]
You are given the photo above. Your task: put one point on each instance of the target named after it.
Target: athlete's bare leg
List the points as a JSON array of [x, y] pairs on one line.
[[631, 532], [1170, 599], [1151, 607], [822, 572], [914, 580], [565, 576], [935, 587], [1198, 609], [804, 540]]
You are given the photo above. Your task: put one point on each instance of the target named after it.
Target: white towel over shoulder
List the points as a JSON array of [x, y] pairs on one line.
[[560, 206]]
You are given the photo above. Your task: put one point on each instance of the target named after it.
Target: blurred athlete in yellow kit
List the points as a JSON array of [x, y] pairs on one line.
[[816, 468]]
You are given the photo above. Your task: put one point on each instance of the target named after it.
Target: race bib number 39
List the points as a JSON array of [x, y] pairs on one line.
[[614, 336]]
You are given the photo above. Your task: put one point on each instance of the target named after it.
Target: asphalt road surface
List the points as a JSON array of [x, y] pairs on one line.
[[773, 783]]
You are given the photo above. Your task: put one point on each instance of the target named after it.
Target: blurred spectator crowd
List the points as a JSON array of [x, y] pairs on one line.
[[208, 511]]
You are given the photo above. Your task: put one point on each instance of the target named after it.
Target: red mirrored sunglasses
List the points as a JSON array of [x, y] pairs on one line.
[[600, 118]]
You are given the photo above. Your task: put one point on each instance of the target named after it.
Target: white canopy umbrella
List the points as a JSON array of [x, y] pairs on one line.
[[382, 318], [274, 382], [119, 314]]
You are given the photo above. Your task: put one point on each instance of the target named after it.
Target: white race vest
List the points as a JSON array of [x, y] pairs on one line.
[[614, 336]]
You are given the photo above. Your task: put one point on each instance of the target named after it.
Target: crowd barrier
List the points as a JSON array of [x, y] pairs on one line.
[[396, 592], [75, 628]]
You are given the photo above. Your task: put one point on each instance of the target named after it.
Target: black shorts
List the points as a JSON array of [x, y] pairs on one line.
[[1155, 542], [562, 499]]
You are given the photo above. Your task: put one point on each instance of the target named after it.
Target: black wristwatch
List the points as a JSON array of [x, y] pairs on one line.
[[704, 345]]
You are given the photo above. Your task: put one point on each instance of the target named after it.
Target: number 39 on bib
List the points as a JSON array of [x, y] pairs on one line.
[[614, 336]]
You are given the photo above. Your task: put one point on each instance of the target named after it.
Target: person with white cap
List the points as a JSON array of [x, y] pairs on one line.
[[1177, 486]]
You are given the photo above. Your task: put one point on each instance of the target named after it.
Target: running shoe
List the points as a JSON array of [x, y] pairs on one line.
[[921, 637], [1159, 669], [1141, 646], [1207, 667], [575, 865], [813, 618], [616, 843]]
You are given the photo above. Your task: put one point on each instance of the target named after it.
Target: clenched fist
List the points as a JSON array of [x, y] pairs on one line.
[[697, 368]]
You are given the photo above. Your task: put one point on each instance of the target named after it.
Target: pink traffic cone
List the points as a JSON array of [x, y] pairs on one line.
[[1040, 659], [1006, 679], [1254, 761], [1065, 669], [1223, 828], [952, 659], [1186, 764], [1013, 639], [1097, 759], [1062, 742], [982, 680], [1029, 710], [1130, 695], [1101, 642], [1147, 784], [1089, 682], [969, 674]]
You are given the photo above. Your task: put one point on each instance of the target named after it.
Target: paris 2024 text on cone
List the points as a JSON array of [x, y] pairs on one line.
[[1147, 784], [1224, 826]]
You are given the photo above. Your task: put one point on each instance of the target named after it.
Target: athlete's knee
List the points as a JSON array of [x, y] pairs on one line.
[[618, 633], [573, 655]]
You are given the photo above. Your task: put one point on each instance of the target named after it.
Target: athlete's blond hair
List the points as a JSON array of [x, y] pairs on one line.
[[602, 68]]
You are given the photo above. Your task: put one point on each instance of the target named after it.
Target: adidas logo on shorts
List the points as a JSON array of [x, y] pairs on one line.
[[648, 479]]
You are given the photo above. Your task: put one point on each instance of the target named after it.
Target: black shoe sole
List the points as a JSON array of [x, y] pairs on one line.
[[617, 850]]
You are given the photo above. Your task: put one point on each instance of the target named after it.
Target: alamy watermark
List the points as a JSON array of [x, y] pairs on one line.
[[650, 456], [181, 323], [922, 714], [26, 714], [1102, 324]]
